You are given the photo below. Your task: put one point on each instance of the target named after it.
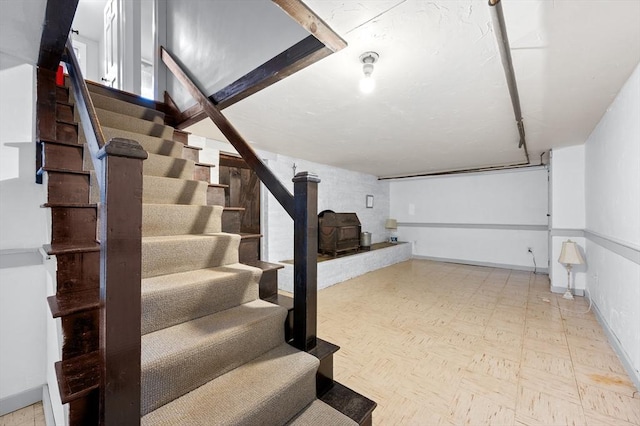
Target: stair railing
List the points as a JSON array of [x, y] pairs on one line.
[[302, 206], [118, 166]]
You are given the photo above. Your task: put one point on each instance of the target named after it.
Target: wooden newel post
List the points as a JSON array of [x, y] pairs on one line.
[[305, 260], [120, 275]]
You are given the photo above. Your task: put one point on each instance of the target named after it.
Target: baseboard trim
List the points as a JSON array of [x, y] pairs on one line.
[[486, 264], [20, 400], [575, 291], [49, 418], [617, 347]]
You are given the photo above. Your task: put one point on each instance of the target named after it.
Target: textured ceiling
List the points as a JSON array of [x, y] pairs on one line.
[[441, 101]]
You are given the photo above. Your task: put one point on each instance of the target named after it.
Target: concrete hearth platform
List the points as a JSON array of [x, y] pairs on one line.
[[349, 265]]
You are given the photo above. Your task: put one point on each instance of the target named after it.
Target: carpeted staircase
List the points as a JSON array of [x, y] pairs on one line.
[[212, 351]]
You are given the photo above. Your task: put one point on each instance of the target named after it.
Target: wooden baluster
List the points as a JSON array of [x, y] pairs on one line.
[[305, 260], [120, 277]]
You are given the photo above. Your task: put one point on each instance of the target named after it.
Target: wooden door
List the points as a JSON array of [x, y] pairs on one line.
[[243, 191]]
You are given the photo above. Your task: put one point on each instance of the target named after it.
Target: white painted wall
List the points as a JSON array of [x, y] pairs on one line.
[[612, 154], [568, 214], [23, 226], [340, 190], [480, 218]]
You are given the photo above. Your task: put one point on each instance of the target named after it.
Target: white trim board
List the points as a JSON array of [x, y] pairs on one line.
[[485, 264], [626, 250], [617, 347], [11, 403]]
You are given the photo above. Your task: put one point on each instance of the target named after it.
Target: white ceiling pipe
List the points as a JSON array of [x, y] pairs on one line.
[[500, 29]]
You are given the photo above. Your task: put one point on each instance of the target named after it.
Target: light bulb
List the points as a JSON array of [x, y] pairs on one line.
[[367, 84]]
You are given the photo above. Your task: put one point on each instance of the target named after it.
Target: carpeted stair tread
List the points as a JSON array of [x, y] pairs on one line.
[[151, 144], [122, 107], [164, 190], [319, 413], [179, 219], [179, 359], [270, 390], [179, 253], [170, 299], [132, 124], [161, 165]]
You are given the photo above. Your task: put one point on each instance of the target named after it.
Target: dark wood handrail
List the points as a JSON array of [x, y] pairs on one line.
[[284, 197], [118, 166], [88, 118], [302, 207]]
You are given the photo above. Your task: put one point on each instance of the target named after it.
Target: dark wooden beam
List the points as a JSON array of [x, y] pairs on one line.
[[57, 24], [306, 17], [302, 54], [279, 191]]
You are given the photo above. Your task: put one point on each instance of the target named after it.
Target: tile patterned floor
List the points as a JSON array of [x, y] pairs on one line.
[[445, 344], [33, 415]]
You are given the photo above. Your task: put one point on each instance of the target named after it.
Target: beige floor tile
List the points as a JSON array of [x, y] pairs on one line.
[[598, 360], [470, 409], [616, 382], [500, 368], [410, 341], [610, 403], [549, 363], [535, 407], [557, 386], [501, 392], [597, 419]]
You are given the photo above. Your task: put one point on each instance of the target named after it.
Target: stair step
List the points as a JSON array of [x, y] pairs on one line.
[[163, 190], [180, 253], [67, 132], [203, 172], [73, 223], [67, 186], [62, 94], [62, 156], [78, 376], [215, 195], [191, 153], [168, 300], [349, 402], [77, 271], [151, 144], [131, 124], [176, 219], [271, 389], [320, 413], [73, 302], [324, 352], [164, 166], [232, 219], [56, 249], [213, 345], [249, 247], [269, 279], [109, 103], [181, 136], [64, 112]]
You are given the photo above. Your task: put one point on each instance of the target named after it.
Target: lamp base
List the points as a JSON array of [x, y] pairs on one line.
[[567, 295]]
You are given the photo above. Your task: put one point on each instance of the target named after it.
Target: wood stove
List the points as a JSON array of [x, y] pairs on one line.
[[338, 232]]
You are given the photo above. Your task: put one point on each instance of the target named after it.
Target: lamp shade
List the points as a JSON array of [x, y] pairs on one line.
[[391, 224], [570, 254]]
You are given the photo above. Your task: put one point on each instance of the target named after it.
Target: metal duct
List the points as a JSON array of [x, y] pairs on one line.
[[500, 29]]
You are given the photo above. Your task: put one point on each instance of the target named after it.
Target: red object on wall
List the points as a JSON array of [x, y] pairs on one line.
[[60, 76]]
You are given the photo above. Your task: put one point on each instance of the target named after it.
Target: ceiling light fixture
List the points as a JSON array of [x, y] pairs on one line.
[[367, 84]]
